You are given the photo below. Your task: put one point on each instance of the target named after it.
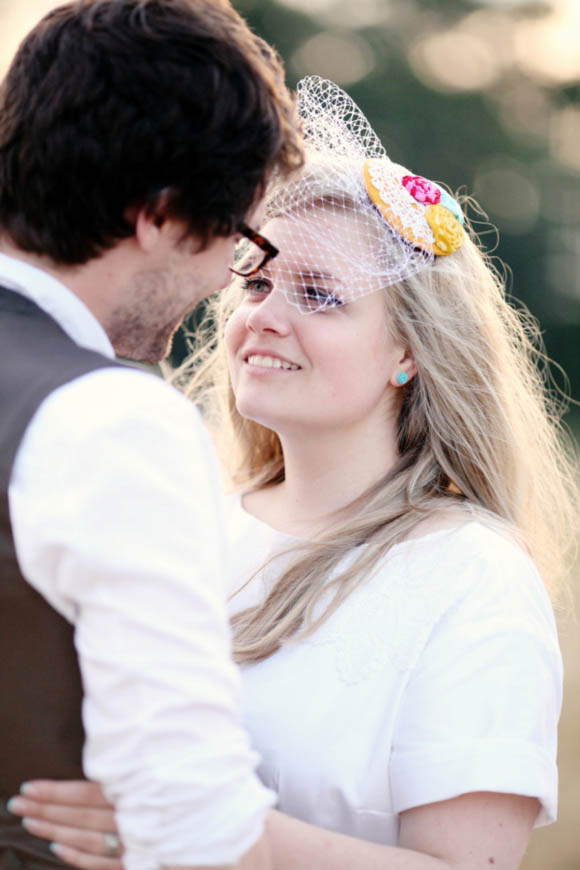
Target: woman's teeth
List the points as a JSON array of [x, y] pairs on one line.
[[271, 362]]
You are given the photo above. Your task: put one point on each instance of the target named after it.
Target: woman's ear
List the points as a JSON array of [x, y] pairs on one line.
[[405, 369]]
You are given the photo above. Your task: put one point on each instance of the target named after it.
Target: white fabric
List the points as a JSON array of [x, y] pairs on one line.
[[439, 676], [117, 522]]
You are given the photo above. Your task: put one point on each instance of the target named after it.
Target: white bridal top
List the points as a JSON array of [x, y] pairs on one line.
[[438, 676]]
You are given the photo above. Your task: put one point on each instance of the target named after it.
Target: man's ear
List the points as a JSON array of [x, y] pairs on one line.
[[148, 230], [153, 223]]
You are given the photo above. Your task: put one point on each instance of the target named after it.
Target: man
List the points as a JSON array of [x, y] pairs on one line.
[[136, 138]]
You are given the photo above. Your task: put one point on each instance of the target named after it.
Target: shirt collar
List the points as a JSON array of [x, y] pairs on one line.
[[57, 301]]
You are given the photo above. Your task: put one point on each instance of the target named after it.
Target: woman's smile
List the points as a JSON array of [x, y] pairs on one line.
[[270, 362]]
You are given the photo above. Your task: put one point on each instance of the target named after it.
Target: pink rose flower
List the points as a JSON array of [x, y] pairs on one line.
[[421, 189]]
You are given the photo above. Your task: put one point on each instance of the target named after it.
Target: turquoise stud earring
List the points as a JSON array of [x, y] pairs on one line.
[[402, 378]]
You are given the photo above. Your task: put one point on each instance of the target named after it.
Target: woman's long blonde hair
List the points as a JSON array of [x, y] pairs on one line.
[[478, 425]]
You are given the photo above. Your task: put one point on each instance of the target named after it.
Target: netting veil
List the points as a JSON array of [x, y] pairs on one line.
[[353, 221]]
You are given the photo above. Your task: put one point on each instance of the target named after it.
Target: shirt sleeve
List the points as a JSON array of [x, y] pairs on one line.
[[115, 509], [481, 708]]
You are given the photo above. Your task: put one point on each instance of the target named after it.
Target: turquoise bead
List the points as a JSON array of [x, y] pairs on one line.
[[451, 205]]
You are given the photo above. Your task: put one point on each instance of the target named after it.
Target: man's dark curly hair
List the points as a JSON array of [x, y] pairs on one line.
[[174, 106]]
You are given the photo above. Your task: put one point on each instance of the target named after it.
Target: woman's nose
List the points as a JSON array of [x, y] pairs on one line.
[[270, 314]]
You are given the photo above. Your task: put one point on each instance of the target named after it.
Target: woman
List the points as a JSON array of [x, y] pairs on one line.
[[379, 408]]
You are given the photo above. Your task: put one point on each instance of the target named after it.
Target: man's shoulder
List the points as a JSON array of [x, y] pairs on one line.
[[125, 394], [121, 422], [36, 353]]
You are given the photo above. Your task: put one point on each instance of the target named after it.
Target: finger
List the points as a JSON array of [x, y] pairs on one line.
[[91, 842], [89, 818], [86, 862], [75, 792]]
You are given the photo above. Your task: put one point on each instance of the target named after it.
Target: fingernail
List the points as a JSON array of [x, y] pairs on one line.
[[27, 789], [31, 824], [15, 804], [55, 848]]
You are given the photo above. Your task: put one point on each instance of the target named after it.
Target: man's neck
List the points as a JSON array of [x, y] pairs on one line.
[[92, 282], [45, 264]]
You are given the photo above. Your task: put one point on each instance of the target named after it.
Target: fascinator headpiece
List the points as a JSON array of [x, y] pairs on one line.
[[351, 214]]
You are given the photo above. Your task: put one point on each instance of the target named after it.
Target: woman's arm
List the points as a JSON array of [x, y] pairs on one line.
[[78, 820], [75, 816], [479, 831]]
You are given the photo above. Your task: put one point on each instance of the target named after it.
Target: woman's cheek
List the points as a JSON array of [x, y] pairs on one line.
[[233, 333]]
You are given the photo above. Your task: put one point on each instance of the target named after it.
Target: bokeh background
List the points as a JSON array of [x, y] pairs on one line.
[[485, 96]]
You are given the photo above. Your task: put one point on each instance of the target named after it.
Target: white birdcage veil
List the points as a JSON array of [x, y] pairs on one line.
[[351, 215]]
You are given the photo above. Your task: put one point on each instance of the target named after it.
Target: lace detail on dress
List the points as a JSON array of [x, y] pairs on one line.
[[403, 599]]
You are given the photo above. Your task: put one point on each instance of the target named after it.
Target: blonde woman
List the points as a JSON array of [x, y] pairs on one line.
[[401, 488]]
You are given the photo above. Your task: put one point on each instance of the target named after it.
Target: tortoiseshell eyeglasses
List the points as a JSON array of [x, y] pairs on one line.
[[267, 252]]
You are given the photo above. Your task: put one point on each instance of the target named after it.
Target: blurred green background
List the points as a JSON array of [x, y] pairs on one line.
[[484, 96]]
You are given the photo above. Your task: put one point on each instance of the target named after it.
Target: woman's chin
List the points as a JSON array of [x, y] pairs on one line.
[[258, 414]]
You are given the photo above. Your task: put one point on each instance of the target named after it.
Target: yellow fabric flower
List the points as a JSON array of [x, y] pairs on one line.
[[448, 233]]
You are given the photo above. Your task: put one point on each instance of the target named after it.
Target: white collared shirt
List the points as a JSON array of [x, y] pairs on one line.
[[116, 516]]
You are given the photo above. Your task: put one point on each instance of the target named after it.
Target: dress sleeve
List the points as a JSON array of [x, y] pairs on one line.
[[481, 707]]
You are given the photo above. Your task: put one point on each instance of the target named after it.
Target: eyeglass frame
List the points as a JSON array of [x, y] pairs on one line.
[[268, 249]]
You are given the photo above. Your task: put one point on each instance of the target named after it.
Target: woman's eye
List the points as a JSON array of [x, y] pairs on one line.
[[316, 298], [258, 286]]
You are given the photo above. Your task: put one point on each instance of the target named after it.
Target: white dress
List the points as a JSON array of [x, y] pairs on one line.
[[438, 676]]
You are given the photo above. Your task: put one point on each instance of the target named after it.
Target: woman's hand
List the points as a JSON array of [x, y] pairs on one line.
[[76, 817]]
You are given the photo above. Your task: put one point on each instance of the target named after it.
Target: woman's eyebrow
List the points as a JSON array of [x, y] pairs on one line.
[[314, 274], [248, 262]]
